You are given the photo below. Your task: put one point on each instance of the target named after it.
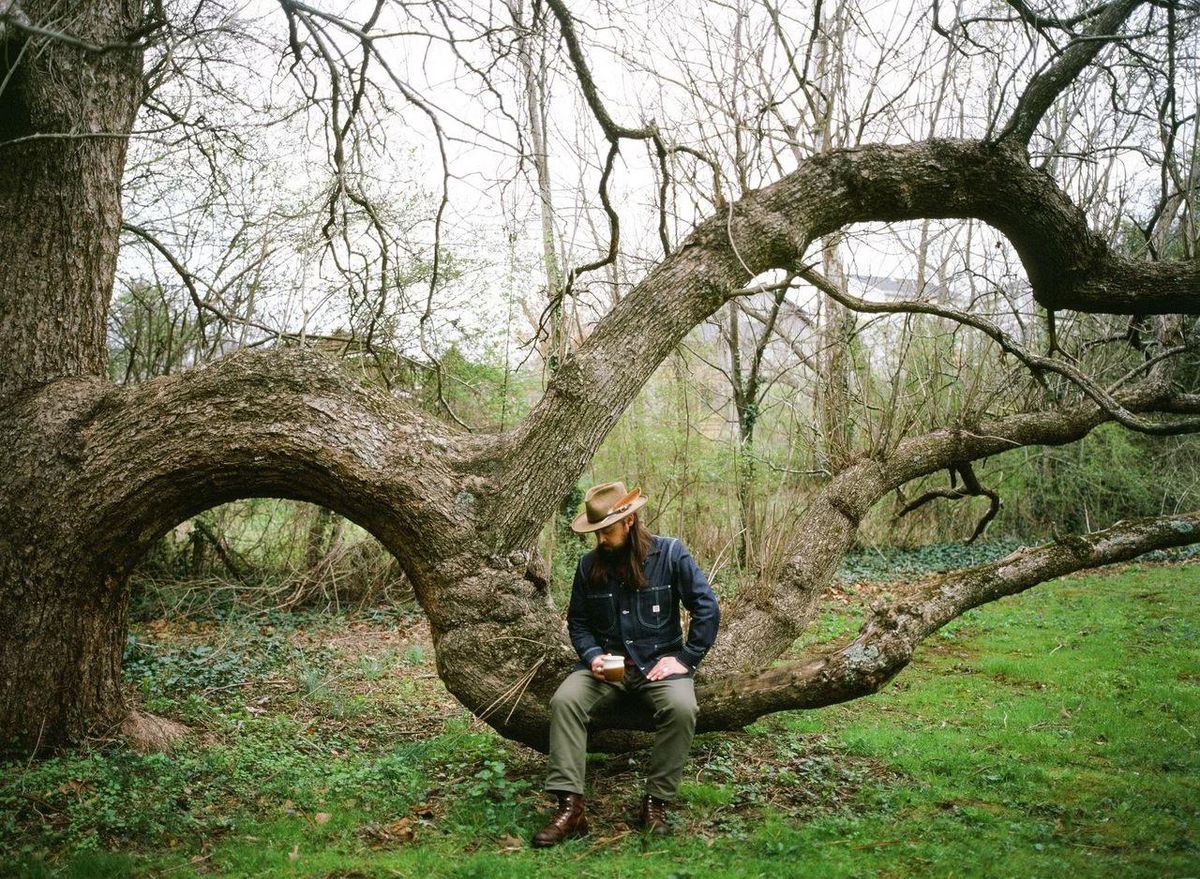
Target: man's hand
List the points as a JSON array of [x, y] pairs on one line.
[[668, 665], [598, 667]]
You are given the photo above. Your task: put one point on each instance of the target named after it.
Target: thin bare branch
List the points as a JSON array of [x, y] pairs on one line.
[[1051, 81], [1036, 362]]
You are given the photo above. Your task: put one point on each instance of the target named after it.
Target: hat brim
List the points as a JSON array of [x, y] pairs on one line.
[[580, 524]]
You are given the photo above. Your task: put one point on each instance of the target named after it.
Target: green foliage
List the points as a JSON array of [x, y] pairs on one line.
[[890, 563], [163, 671], [150, 333], [489, 800], [1109, 475], [568, 550], [104, 798], [277, 553], [480, 389], [1039, 734], [887, 563]]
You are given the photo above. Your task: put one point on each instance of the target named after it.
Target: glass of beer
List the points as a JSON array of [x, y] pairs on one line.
[[614, 667]]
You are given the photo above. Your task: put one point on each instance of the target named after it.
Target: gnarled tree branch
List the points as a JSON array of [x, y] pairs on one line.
[[970, 487], [759, 623], [889, 637], [1068, 267]]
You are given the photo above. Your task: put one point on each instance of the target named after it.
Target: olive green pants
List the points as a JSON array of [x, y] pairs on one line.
[[581, 697]]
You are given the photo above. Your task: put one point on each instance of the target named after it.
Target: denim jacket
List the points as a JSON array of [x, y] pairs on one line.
[[644, 624]]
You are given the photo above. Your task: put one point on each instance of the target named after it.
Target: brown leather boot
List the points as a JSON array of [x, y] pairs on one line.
[[567, 821], [654, 815]]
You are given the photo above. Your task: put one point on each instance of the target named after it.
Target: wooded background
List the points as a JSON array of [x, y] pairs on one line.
[[813, 276]]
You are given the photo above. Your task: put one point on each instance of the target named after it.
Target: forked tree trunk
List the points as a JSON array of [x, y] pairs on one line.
[[92, 474]]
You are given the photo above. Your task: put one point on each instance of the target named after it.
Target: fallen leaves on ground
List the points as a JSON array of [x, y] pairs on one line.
[[399, 832]]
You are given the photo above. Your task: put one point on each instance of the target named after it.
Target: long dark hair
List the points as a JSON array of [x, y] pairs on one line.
[[631, 561]]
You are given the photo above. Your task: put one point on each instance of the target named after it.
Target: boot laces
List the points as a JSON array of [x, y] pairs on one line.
[[565, 810], [656, 809]]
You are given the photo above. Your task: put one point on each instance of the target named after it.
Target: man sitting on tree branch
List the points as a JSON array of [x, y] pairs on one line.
[[624, 622]]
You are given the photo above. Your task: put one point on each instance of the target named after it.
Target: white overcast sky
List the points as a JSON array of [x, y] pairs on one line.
[[642, 55]]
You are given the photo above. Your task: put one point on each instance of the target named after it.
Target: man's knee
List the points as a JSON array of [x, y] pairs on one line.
[[678, 705], [570, 698]]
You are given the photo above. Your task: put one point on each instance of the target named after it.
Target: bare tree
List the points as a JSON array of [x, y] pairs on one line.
[[92, 473]]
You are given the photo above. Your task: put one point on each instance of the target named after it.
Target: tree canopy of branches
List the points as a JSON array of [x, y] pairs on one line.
[[744, 202]]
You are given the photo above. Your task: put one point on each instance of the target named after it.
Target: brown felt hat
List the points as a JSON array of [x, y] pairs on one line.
[[604, 504]]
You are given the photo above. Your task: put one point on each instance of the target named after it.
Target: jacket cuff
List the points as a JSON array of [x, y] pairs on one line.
[[690, 657], [591, 653]]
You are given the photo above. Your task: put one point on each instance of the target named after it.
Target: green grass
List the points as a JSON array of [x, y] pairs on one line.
[[1048, 734]]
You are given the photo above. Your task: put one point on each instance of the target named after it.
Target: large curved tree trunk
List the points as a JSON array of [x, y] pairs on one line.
[[92, 474]]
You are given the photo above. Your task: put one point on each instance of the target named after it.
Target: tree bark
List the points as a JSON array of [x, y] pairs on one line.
[[833, 391], [91, 474], [65, 116], [94, 473]]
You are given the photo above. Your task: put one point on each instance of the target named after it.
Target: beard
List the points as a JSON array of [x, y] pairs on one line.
[[613, 557], [615, 561]]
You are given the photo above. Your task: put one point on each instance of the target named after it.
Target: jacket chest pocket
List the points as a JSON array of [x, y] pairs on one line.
[[602, 611], [653, 607]]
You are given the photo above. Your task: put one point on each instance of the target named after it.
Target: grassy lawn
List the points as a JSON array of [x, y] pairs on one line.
[[1045, 735]]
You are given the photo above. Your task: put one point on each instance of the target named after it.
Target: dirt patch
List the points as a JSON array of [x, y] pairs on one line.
[[150, 733]]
